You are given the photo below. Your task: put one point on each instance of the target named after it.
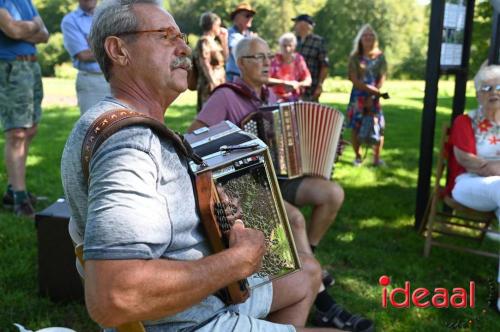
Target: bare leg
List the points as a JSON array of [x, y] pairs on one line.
[[377, 150], [327, 198], [299, 231], [293, 307], [15, 158], [355, 144]]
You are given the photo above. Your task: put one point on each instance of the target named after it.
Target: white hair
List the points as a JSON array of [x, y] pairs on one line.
[[244, 45], [288, 37], [486, 73]]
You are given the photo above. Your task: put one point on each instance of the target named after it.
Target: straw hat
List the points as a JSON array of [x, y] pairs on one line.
[[242, 7]]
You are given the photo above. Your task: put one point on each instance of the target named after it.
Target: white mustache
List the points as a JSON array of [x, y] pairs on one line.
[[183, 62]]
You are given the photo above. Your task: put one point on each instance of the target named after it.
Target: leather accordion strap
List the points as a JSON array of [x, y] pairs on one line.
[[112, 121], [104, 127]]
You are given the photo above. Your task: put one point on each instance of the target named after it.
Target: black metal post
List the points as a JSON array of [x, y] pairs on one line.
[[462, 74], [429, 111]]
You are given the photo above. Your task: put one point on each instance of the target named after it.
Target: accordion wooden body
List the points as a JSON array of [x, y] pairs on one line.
[[302, 137], [239, 164]]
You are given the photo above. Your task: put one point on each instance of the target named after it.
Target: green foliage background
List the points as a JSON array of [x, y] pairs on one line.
[[402, 27]]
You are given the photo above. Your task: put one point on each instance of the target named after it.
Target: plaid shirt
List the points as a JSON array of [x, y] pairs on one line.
[[313, 49]]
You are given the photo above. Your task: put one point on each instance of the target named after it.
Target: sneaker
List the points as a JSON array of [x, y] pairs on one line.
[[25, 209], [328, 279], [8, 199], [357, 162], [379, 163]]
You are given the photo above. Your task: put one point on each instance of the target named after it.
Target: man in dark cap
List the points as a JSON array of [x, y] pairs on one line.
[[242, 17], [312, 48]]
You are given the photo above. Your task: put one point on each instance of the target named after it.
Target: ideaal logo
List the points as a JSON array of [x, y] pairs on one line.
[[423, 298]]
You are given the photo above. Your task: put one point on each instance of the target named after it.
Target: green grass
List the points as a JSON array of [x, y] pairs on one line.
[[372, 236]]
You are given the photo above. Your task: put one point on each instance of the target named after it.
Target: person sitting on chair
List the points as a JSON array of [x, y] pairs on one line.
[[146, 255], [474, 166], [233, 102]]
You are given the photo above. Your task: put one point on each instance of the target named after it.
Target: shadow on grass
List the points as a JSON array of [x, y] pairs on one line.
[[369, 240]]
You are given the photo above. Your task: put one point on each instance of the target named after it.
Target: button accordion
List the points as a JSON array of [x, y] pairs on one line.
[[302, 137], [238, 165]]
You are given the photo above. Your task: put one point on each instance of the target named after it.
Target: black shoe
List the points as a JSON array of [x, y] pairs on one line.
[[25, 209], [8, 199], [327, 278], [340, 318]]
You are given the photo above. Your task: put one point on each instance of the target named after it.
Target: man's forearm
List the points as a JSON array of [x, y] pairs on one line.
[[19, 29], [42, 36], [125, 291], [86, 56], [323, 73]]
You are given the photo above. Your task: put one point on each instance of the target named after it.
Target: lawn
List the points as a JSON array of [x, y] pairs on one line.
[[372, 236]]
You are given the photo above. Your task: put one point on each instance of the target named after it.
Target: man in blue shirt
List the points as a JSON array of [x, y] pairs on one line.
[[242, 17], [21, 93], [91, 86]]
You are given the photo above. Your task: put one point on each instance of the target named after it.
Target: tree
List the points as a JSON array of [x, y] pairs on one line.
[[481, 34], [273, 17], [53, 52], [400, 26]]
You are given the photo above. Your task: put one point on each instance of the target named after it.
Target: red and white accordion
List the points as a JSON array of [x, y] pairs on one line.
[[302, 137]]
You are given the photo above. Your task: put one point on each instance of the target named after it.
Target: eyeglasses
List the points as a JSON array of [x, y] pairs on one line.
[[248, 15], [488, 88], [170, 34], [259, 56]]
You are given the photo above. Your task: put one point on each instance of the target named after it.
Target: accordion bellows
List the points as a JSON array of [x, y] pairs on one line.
[[302, 137]]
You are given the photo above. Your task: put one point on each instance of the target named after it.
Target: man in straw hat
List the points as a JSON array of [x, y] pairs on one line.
[[242, 17]]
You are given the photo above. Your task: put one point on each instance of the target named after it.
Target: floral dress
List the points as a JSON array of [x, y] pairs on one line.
[[294, 71], [208, 48], [370, 71]]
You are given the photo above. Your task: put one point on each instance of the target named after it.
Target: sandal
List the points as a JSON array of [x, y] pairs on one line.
[[327, 278], [339, 318]]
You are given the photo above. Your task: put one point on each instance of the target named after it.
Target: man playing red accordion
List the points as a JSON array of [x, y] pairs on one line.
[[234, 101]]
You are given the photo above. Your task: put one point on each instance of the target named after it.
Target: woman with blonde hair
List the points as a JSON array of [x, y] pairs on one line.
[[367, 72]]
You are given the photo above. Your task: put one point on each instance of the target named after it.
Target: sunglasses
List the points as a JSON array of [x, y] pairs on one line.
[[489, 88]]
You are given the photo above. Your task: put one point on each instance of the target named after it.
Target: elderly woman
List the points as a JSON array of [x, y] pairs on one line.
[[210, 54], [289, 74], [367, 71], [475, 163]]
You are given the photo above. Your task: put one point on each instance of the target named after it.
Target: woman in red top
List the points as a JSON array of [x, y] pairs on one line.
[[475, 138], [289, 73]]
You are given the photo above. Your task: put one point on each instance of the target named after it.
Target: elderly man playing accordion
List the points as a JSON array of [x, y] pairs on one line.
[[146, 257], [233, 102]]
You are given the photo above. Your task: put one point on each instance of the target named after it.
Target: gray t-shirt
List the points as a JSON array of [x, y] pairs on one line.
[[138, 204]]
